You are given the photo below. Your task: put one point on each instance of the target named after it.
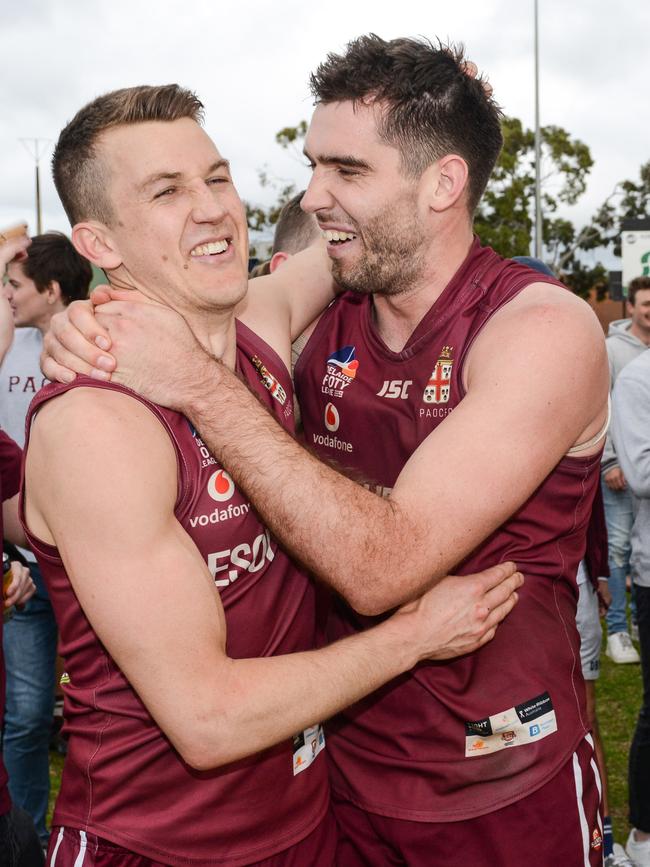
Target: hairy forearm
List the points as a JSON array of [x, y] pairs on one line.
[[350, 538], [270, 699]]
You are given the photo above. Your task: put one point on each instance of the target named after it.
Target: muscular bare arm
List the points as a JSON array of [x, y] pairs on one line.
[[101, 485]]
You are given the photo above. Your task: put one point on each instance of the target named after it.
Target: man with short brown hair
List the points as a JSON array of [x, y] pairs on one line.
[[194, 693]]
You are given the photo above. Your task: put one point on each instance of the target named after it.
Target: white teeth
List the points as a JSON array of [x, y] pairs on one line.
[[331, 235], [210, 249]]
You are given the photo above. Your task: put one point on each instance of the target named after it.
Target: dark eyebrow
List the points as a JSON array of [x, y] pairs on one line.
[[338, 160], [174, 176]]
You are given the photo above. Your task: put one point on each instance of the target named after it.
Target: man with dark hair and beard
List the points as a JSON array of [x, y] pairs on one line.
[[471, 394]]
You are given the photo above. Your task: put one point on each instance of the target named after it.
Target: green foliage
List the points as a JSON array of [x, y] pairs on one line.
[[261, 218], [504, 219]]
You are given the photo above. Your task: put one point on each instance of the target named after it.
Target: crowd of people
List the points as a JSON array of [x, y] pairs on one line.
[[322, 550]]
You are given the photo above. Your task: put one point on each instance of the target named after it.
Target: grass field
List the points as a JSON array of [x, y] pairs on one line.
[[618, 698]]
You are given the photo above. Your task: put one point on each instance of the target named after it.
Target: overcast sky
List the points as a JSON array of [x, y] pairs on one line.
[[249, 62]]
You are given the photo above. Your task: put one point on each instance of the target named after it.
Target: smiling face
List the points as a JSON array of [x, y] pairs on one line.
[[180, 228], [639, 312], [30, 307], [372, 214]]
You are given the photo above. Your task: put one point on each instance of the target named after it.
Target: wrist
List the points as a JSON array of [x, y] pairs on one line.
[[199, 399], [404, 639]]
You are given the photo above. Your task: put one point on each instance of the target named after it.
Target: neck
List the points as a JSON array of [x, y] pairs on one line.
[[216, 332], [641, 334], [213, 328], [397, 316]]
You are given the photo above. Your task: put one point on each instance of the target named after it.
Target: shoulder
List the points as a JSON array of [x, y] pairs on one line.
[[85, 418], [545, 316]]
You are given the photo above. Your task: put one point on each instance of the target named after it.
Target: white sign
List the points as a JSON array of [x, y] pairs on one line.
[[636, 255]]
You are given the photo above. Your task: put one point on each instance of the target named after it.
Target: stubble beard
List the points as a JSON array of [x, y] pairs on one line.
[[391, 262]]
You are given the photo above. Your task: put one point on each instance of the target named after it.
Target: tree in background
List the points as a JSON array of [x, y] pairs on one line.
[[504, 218]]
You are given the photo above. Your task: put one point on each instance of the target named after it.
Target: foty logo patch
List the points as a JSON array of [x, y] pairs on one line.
[[341, 369], [220, 486], [438, 387], [269, 381]]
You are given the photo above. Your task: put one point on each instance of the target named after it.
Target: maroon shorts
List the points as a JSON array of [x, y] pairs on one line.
[[70, 847], [559, 825]]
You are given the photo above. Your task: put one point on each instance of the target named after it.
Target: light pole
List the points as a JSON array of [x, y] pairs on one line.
[[538, 151], [36, 148]]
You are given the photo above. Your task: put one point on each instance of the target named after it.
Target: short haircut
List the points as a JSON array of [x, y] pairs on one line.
[[431, 106], [635, 285], [294, 229], [52, 257], [80, 174]]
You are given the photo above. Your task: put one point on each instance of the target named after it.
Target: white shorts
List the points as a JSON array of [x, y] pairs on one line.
[[591, 633]]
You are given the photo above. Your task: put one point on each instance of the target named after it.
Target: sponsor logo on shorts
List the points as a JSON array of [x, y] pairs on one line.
[[332, 418], [340, 371], [220, 486], [596, 840], [533, 731]]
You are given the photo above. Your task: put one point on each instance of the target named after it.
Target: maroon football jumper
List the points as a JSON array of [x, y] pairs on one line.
[[458, 739], [122, 780]]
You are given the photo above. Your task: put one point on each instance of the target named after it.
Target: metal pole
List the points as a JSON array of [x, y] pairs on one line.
[[538, 151], [36, 147], [39, 228]]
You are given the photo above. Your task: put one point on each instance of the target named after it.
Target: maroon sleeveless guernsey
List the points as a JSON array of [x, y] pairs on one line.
[[122, 779], [455, 739]]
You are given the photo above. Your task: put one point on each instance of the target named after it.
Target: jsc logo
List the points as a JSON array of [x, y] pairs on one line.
[[220, 486]]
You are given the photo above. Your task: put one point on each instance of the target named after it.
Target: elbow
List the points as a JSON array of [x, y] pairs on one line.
[[370, 598], [206, 754], [208, 740]]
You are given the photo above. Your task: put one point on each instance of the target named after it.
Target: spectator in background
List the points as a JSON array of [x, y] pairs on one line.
[[19, 843], [37, 287], [631, 438], [627, 339]]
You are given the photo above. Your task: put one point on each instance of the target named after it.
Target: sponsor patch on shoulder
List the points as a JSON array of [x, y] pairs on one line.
[[522, 724]]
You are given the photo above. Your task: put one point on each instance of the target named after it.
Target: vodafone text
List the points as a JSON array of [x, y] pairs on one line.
[[218, 515]]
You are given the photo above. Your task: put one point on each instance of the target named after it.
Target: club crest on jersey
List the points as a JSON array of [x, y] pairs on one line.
[[269, 381], [341, 370], [438, 387]]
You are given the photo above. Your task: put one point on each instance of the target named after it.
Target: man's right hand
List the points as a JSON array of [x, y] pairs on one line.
[[462, 612], [615, 480], [75, 343]]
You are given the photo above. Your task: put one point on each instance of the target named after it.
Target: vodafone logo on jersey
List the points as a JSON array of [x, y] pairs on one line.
[[332, 418], [220, 486]]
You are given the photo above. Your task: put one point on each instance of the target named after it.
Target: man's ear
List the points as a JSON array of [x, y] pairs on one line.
[[445, 182], [94, 241], [276, 260], [53, 292]]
